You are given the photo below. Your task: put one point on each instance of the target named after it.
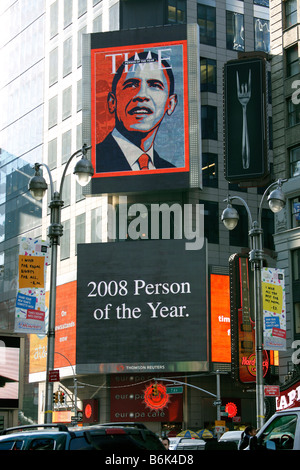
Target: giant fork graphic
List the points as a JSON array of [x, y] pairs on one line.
[[244, 95]]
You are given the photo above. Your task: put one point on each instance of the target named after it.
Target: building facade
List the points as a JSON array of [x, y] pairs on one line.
[[284, 18], [227, 30]]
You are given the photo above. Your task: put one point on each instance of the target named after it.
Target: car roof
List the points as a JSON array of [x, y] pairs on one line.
[[231, 435]]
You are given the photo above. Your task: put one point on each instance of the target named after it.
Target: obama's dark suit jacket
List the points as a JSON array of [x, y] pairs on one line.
[[109, 157]]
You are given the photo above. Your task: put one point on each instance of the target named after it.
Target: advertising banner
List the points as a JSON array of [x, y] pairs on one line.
[[30, 303], [243, 354], [245, 125], [141, 307], [65, 332], [140, 109], [273, 294], [127, 398], [220, 318]]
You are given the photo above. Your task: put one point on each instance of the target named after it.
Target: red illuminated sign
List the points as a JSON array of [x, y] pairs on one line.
[[250, 363], [156, 396], [231, 409], [90, 411]]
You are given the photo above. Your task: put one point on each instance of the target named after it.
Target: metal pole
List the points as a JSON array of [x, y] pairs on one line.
[[256, 258], [54, 233]]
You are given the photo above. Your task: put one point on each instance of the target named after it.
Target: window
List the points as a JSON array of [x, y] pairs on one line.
[[96, 225], [297, 319], [176, 11], [295, 255], [294, 155], [66, 146], [290, 13], [65, 241], [261, 35], [42, 444], [79, 195], [79, 95], [208, 75], [211, 221], [67, 56], [79, 46], [53, 66], [209, 127], [267, 224], [67, 103], [234, 31], [295, 211], [68, 10], [281, 431], [293, 113], [66, 192], [82, 7], [263, 3], [97, 24], [239, 235], [80, 230], [292, 61], [54, 19], [206, 18], [210, 169], [52, 154], [52, 112]]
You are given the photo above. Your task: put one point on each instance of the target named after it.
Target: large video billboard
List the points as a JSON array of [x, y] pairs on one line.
[[141, 117], [141, 307]]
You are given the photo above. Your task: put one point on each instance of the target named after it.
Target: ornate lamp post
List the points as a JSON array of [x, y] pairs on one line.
[[230, 219], [38, 186]]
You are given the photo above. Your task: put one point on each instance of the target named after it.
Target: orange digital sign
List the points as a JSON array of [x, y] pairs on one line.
[[220, 318], [65, 332]]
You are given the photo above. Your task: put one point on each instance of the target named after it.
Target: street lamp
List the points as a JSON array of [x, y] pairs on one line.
[[230, 217], [38, 186]]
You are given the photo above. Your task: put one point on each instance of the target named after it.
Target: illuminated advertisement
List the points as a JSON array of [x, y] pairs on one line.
[[141, 307], [132, 399], [139, 105], [246, 129], [9, 371], [220, 318], [65, 332]]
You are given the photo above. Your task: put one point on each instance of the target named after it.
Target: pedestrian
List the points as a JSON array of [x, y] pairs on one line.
[[166, 442], [249, 435]]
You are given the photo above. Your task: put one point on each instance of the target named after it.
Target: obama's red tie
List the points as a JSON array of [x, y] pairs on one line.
[[143, 161]]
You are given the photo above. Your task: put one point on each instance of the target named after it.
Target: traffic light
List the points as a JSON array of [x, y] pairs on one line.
[[55, 397], [62, 397], [154, 390]]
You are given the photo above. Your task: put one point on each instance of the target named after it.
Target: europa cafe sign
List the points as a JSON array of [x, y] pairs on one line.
[[289, 398]]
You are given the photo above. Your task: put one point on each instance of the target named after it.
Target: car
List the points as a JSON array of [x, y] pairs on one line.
[[96, 437], [231, 436], [173, 442], [191, 444], [280, 432]]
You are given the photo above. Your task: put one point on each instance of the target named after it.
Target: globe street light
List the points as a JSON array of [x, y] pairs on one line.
[[38, 186], [230, 219]]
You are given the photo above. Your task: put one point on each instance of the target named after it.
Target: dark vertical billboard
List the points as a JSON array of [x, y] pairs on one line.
[[140, 117], [141, 307], [245, 120]]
